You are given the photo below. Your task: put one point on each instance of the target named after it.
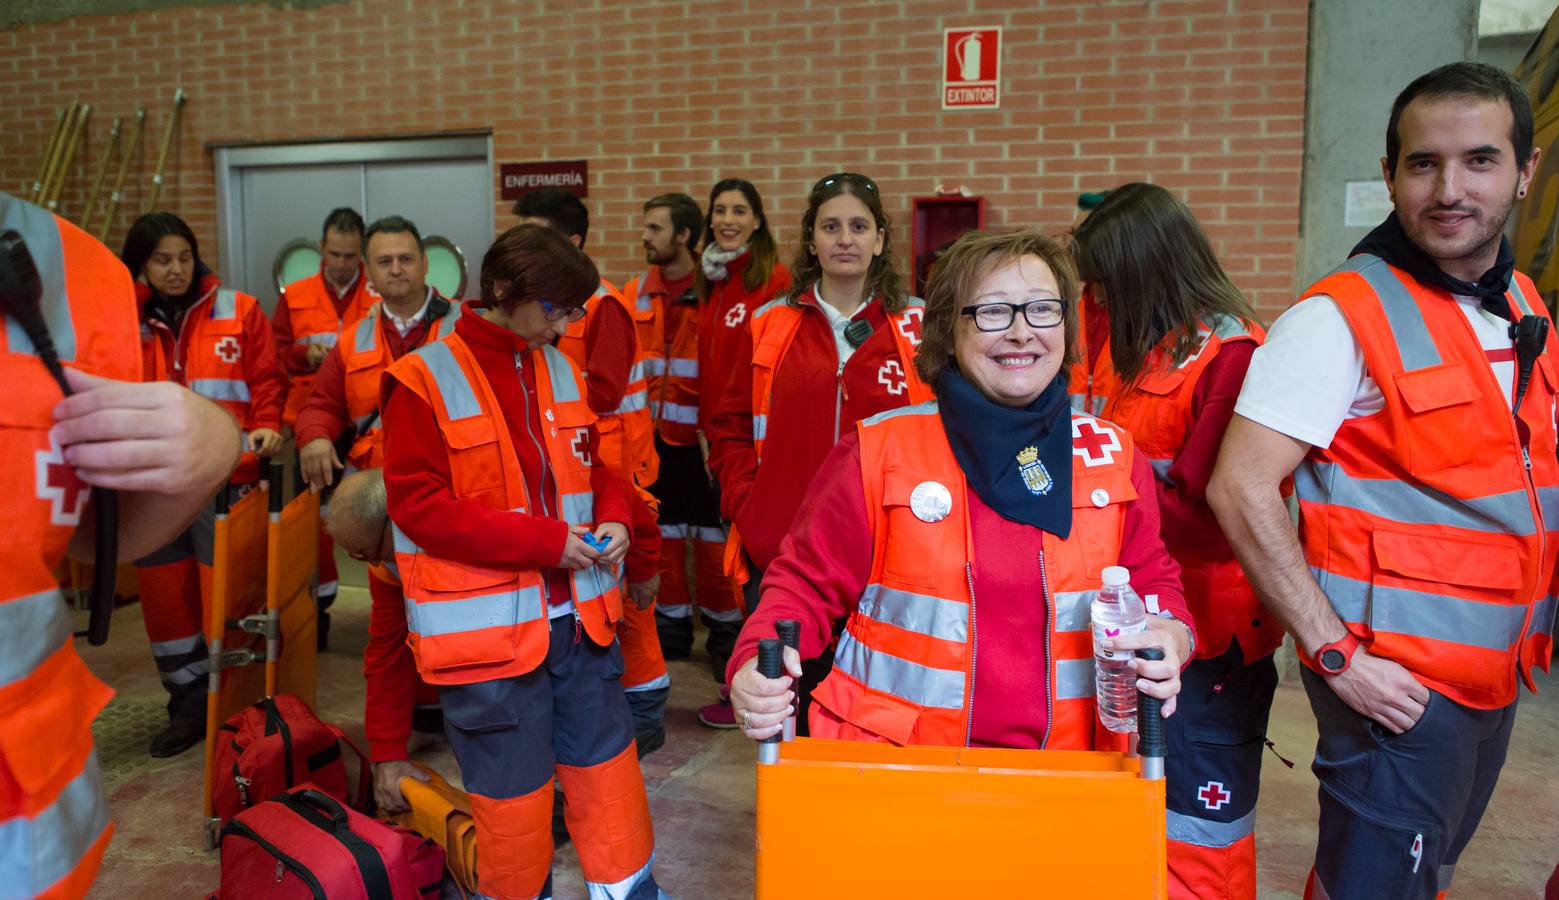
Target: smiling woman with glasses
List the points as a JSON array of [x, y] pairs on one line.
[[508, 534], [975, 525]]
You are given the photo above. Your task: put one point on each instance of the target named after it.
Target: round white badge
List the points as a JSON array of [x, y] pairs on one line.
[[930, 501], [1100, 497]]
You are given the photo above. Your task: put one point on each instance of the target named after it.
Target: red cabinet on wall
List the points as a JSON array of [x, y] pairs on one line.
[[935, 222]]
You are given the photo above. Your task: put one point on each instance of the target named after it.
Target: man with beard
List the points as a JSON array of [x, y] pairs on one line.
[[1411, 395]]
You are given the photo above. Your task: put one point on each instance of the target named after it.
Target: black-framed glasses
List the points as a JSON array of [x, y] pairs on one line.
[[561, 313], [1046, 313], [854, 178]]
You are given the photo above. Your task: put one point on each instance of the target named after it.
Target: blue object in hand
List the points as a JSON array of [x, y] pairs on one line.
[[599, 544]]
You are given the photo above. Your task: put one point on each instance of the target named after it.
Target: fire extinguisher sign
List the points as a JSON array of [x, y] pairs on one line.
[[971, 68]]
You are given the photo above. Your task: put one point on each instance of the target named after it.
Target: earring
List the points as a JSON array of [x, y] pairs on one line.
[[1521, 193]]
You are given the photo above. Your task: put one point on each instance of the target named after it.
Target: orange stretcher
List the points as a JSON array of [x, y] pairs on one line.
[[261, 625], [846, 819]]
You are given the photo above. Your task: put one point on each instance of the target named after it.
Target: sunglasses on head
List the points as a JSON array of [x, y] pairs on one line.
[[845, 177]]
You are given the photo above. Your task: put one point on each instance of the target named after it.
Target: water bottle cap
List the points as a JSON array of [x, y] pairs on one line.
[[1116, 576]]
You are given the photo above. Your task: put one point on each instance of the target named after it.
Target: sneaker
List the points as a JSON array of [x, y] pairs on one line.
[[180, 735], [718, 715]]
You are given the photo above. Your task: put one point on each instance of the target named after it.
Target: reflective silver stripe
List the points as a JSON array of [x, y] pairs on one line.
[[225, 304], [654, 366], [1203, 833], [1161, 470], [578, 509], [178, 646], [674, 412], [403, 544], [935, 617], [636, 372], [882, 671], [36, 852], [1521, 300], [1414, 343], [778, 301], [368, 330], [621, 890], [712, 534], [31, 628], [497, 610], [654, 684], [721, 615], [1074, 679], [1443, 876], [394, 569], [234, 389], [561, 373], [760, 427], [1076, 401], [683, 368], [1226, 326], [1073, 610], [363, 421], [592, 583], [673, 531], [674, 611], [193, 672], [632, 403], [1542, 621], [446, 325], [1548, 504], [919, 409], [42, 234], [1414, 503], [1420, 614], [458, 396], [326, 338]]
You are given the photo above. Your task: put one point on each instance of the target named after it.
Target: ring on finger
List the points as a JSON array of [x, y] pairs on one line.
[[746, 720]]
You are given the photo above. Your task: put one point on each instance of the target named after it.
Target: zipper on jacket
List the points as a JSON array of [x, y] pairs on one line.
[[519, 375], [1050, 667], [974, 648], [839, 398], [178, 338]]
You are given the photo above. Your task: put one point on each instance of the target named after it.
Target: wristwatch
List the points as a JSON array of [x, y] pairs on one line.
[[1334, 658]]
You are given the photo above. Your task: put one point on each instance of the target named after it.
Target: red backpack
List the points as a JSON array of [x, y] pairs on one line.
[[275, 745], [304, 844]]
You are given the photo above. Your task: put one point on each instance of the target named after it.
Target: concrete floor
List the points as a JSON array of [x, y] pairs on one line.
[[701, 782]]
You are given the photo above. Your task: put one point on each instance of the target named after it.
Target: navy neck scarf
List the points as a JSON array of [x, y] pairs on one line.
[[1017, 459], [1389, 242]]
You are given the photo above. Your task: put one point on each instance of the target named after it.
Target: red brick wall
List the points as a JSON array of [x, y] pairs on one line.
[[1203, 96]]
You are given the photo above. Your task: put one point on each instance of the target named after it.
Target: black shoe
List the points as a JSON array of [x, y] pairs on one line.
[[180, 735], [648, 742], [322, 632], [670, 653], [428, 719]]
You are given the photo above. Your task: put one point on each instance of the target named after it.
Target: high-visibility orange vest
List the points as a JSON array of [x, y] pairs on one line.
[[1428, 525], [470, 623], [670, 360], [54, 821], [1156, 410], [314, 321], [903, 670], [364, 357], [627, 434], [774, 328]]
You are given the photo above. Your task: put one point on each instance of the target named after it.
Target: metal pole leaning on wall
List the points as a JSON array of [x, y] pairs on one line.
[[102, 176], [124, 171], [67, 154], [48, 154], [167, 144]]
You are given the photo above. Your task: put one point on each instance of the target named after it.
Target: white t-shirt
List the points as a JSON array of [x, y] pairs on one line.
[[839, 322], [1309, 375]]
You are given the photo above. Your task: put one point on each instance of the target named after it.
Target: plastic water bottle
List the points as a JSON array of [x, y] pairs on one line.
[[1116, 611]]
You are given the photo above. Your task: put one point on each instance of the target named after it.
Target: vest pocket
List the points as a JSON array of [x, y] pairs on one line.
[[464, 615], [475, 459], [915, 548], [1446, 427]]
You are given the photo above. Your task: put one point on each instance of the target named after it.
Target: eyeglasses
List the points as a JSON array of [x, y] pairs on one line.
[[561, 313], [847, 177], [999, 316]]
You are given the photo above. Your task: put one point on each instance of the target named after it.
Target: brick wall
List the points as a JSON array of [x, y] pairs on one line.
[[1203, 96]]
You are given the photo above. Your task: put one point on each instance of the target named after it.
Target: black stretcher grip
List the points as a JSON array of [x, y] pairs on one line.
[[1151, 745]]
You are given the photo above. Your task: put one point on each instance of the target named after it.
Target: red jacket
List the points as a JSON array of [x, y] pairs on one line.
[[721, 325], [326, 415], [825, 563], [813, 404], [417, 473], [389, 674]]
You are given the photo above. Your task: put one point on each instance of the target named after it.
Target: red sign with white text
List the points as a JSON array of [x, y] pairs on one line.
[[971, 68], [519, 179]]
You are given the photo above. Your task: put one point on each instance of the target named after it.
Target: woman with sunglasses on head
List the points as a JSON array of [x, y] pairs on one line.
[[838, 348], [508, 535], [995, 491], [217, 342], [1166, 345]]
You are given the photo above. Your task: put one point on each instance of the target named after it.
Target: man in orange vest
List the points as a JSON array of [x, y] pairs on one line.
[[1411, 394], [309, 314], [162, 447], [344, 401], [604, 344]]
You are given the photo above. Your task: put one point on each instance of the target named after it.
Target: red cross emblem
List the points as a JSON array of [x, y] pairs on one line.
[[227, 349], [1095, 444], [735, 316], [581, 445], [58, 483], [910, 323], [891, 376], [1213, 796]]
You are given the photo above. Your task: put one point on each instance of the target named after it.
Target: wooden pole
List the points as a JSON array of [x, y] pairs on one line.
[[102, 176], [131, 149], [167, 144], [48, 153], [59, 150], [51, 194]]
